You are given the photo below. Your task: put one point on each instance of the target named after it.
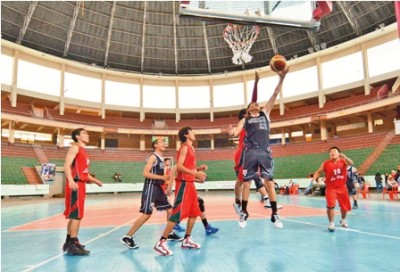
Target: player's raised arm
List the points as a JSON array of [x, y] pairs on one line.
[[270, 104]]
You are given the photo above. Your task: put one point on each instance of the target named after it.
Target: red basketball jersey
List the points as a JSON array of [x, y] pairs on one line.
[[80, 166], [335, 173], [189, 163]]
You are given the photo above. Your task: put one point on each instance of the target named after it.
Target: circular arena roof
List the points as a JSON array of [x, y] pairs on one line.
[[149, 37]]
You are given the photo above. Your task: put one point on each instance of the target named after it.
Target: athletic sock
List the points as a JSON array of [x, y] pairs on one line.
[[244, 205], [274, 207], [205, 223], [237, 201]]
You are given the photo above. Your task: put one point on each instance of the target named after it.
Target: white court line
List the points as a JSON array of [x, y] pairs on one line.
[[344, 229], [32, 267]]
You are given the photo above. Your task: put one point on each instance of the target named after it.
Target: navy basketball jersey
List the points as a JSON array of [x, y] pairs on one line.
[[257, 131], [351, 174], [157, 169]]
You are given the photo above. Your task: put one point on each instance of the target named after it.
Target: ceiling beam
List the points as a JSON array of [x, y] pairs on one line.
[[27, 20], [175, 41], [206, 47], [143, 36], [272, 38], [311, 36], [344, 6], [71, 28], [110, 27]]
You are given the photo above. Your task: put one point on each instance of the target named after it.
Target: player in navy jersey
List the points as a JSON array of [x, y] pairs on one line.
[[257, 153], [153, 193]]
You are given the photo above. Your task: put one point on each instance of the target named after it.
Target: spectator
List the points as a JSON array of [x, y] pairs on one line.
[[391, 183], [378, 181], [397, 176], [308, 190], [117, 177]]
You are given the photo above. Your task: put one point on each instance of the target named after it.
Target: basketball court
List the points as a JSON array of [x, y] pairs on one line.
[[33, 232]]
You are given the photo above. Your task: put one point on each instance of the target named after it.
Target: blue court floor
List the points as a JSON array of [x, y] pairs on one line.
[[33, 231]]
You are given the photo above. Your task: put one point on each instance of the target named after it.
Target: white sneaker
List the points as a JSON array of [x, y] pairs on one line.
[[188, 243], [162, 248], [277, 221], [331, 227], [237, 208], [344, 224], [242, 219], [267, 204]]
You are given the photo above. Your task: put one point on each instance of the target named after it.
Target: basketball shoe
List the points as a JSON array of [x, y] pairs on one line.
[[162, 248], [211, 230], [188, 243], [237, 208], [277, 221], [331, 227], [267, 204], [243, 219], [173, 237], [128, 241], [178, 227], [75, 250], [344, 224]]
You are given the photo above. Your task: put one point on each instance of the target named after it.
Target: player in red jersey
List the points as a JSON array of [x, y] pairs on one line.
[[76, 169], [335, 181], [186, 203]]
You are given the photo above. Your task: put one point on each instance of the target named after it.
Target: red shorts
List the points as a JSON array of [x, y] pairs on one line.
[[75, 201], [341, 195], [239, 164], [186, 203]]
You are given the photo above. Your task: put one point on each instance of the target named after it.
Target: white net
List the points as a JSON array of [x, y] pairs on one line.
[[240, 39]]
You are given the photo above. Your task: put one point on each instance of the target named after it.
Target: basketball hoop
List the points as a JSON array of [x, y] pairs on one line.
[[240, 39]]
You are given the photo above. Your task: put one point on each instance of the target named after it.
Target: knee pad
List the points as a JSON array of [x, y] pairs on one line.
[[201, 204], [258, 182]]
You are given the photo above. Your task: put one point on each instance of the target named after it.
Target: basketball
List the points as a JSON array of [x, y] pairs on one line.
[[277, 63]]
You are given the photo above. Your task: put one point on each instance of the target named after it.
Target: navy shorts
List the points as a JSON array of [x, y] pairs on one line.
[[351, 188], [153, 194], [256, 160]]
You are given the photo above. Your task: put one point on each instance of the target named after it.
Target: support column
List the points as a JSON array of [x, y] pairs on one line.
[[321, 96], [103, 141], [367, 89], [323, 130], [103, 96], [14, 80], [283, 139], [211, 83], [177, 110], [61, 107], [212, 138], [142, 115], [370, 123], [11, 132], [60, 137], [142, 143]]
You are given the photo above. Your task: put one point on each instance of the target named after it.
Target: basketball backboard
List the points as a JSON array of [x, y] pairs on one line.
[[297, 14]]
